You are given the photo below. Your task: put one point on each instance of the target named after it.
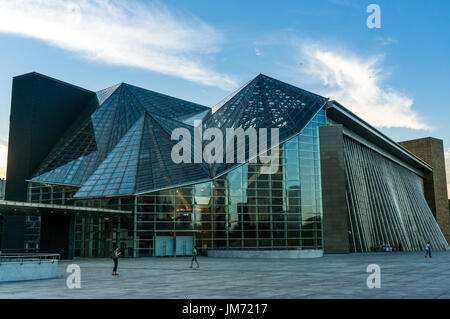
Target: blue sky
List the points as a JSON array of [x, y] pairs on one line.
[[395, 77]]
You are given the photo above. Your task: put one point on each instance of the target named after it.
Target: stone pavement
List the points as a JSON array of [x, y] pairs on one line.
[[403, 275]]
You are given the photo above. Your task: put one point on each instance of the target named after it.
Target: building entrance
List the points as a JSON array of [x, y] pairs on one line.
[[163, 246], [184, 245]]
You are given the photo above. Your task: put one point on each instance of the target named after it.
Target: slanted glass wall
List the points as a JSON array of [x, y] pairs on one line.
[[243, 209]]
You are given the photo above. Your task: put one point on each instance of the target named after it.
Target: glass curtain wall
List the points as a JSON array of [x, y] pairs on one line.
[[96, 236], [243, 209]]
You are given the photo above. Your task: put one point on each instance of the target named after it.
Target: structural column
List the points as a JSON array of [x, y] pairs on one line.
[[431, 150], [335, 212]]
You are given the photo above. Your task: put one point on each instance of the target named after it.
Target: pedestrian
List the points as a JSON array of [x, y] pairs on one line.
[[115, 257], [428, 249], [194, 257]]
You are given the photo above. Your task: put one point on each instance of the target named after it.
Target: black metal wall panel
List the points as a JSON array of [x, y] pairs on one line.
[[42, 108], [57, 235], [13, 232]]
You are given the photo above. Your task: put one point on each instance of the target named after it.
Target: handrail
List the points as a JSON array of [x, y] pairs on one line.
[[27, 258]]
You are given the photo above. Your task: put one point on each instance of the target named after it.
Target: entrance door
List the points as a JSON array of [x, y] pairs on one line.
[[56, 235], [163, 246], [184, 245]]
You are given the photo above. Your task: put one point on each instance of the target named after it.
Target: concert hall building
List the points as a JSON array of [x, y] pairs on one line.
[[91, 170]]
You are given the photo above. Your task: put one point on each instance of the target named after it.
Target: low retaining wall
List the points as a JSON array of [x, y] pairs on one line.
[[266, 253], [28, 270]]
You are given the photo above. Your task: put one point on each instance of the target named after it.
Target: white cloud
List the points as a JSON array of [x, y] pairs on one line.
[[356, 83], [345, 3], [447, 169], [3, 160], [126, 33], [258, 52]]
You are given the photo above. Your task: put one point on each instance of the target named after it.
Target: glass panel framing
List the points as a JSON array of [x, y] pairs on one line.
[[244, 209]]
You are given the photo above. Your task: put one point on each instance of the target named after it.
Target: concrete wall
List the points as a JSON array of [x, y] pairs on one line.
[[14, 271], [335, 212], [431, 150], [306, 253]]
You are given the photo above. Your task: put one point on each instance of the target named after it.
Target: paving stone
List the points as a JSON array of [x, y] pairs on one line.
[[403, 275]]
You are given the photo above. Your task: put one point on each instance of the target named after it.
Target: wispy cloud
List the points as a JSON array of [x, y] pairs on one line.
[[258, 52], [447, 168], [345, 3], [357, 83], [128, 33], [384, 41]]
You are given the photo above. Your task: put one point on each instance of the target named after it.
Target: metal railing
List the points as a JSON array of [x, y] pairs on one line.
[[28, 258]]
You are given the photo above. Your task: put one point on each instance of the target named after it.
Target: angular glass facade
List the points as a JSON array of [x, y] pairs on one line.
[[119, 115], [121, 144], [244, 209], [117, 155]]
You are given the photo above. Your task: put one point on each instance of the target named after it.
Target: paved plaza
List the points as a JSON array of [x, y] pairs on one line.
[[403, 275]]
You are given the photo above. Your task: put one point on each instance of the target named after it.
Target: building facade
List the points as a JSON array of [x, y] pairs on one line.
[[431, 150], [341, 186]]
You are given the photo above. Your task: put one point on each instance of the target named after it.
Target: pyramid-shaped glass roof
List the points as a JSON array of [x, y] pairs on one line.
[[265, 103], [141, 161], [98, 130], [122, 144]]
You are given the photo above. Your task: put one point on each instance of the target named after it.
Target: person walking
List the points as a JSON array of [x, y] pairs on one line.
[[115, 257], [428, 249], [194, 257]]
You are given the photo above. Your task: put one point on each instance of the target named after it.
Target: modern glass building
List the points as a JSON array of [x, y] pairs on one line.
[[107, 175]]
